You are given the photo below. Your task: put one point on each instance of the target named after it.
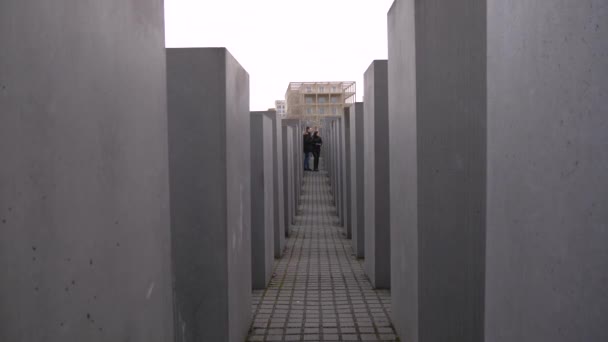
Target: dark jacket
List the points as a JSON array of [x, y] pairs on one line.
[[316, 143], [308, 146]]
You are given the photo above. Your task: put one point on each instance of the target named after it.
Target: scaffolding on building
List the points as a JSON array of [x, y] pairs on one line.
[[313, 101]]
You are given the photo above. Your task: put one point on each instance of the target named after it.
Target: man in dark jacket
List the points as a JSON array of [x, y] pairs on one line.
[[308, 148], [317, 142]]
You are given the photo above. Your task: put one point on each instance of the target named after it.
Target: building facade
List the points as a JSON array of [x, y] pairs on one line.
[[312, 101]]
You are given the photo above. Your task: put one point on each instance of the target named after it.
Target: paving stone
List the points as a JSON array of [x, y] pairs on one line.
[[319, 287]]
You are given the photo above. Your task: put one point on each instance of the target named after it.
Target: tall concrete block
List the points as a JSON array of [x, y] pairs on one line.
[[499, 208], [437, 122], [348, 212], [357, 157], [403, 158], [277, 171], [84, 187], [376, 175], [547, 179], [262, 200], [210, 194], [288, 177], [297, 162]]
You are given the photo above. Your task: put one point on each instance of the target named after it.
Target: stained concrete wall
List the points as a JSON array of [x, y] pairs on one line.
[[278, 180], [376, 175], [502, 223], [547, 160], [83, 175], [357, 157], [262, 199], [210, 194]]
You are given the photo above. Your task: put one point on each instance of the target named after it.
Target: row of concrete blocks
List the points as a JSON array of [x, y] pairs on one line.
[[126, 180], [479, 174]]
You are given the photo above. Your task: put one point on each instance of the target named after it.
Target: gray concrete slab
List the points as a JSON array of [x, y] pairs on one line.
[[210, 194], [357, 157], [296, 159], [262, 199], [499, 210], [438, 124], [376, 175], [84, 187], [547, 163], [348, 210], [288, 177], [403, 159], [277, 170]]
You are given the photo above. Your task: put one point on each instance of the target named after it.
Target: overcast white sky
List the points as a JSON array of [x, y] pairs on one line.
[[282, 41]]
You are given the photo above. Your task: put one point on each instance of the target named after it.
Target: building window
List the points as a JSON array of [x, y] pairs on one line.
[[321, 110], [308, 110], [321, 89], [322, 100], [334, 111], [309, 99], [309, 89], [334, 89], [334, 99]]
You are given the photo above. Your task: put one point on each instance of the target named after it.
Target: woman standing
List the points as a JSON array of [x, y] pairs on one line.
[[316, 152]]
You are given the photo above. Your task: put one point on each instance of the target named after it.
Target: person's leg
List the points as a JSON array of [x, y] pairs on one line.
[[306, 167], [316, 154]]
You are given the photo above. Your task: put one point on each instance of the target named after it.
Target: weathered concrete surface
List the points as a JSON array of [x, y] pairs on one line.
[[84, 201], [262, 199], [210, 194], [376, 175], [502, 225], [357, 219], [547, 196], [277, 171]]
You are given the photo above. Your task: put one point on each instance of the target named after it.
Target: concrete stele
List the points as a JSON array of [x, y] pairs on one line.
[[262, 199], [376, 175], [209, 120], [84, 187]]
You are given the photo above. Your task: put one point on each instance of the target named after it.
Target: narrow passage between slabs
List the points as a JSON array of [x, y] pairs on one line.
[[319, 291]]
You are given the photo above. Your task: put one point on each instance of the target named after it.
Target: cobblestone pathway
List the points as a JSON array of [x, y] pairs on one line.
[[319, 291]]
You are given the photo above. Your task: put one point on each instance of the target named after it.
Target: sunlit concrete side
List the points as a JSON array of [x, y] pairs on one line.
[[277, 171], [357, 218], [84, 187], [376, 175], [547, 196], [262, 199], [209, 120]]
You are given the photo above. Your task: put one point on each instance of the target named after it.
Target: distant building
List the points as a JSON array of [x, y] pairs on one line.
[[312, 101], [280, 107]]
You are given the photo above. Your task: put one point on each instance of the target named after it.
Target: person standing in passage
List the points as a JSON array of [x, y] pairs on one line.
[[317, 142], [307, 148]]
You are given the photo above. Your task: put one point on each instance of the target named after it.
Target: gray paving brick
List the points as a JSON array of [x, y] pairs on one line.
[[319, 287]]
